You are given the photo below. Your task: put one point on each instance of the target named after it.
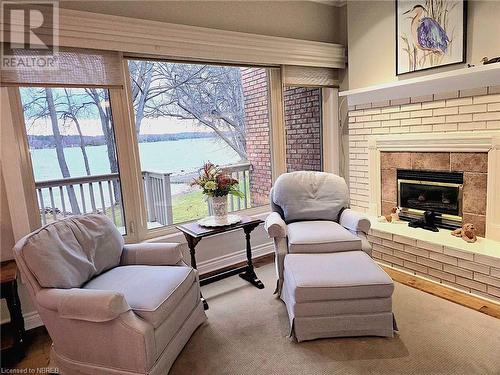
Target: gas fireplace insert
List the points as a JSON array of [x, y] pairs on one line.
[[440, 192]]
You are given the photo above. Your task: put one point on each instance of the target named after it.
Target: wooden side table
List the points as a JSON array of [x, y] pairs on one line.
[[13, 339], [194, 233]]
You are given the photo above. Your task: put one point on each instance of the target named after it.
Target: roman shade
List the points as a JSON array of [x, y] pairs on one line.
[[309, 76], [72, 67]]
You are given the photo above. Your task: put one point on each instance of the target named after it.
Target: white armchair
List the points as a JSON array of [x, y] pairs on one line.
[[310, 215], [109, 308]]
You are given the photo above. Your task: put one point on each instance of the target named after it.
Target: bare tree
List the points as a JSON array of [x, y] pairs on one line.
[[100, 99], [211, 95], [42, 105], [71, 113]]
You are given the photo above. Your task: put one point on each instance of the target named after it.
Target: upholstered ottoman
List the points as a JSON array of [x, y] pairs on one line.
[[337, 294]]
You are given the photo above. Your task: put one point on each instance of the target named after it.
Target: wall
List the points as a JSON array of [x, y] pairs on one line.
[[305, 20], [303, 128], [468, 110], [372, 40]]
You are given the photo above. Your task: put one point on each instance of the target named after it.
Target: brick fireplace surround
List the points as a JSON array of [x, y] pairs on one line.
[[466, 124]]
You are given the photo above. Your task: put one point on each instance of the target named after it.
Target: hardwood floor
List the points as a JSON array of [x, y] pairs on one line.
[[38, 341], [461, 298], [37, 351]]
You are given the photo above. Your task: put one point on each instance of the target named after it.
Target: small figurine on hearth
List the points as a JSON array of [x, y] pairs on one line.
[[392, 217], [395, 214], [467, 232]]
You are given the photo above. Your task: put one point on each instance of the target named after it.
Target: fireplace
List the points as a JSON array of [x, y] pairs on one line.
[[476, 155], [438, 191]]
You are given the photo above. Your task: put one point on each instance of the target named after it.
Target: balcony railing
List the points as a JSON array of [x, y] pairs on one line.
[[79, 195], [158, 197], [102, 194]]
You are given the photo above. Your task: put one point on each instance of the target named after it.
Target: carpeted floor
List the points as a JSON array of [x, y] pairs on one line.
[[247, 329]]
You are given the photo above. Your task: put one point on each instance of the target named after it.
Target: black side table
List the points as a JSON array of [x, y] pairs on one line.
[[194, 234], [14, 336]]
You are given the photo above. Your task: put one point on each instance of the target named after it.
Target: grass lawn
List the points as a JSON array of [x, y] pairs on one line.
[[185, 207], [190, 206]]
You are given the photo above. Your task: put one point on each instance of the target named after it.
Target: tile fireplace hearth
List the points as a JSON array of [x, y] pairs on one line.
[[437, 256]]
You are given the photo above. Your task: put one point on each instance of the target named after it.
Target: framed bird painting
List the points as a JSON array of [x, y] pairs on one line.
[[430, 33]]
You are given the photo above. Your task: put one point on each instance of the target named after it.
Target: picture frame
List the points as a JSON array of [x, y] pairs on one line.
[[430, 34]]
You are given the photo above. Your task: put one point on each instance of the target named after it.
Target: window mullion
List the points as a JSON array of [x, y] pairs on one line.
[[331, 134], [277, 123], [127, 149], [21, 194]]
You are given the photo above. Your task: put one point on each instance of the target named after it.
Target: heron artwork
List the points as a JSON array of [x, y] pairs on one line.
[[427, 32]]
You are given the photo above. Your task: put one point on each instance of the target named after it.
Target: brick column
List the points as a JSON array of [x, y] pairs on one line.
[[255, 91], [303, 128]]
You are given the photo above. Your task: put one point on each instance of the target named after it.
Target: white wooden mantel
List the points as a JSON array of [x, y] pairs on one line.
[[454, 80], [441, 142]]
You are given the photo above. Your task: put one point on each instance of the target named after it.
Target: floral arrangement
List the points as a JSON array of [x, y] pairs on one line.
[[215, 182]]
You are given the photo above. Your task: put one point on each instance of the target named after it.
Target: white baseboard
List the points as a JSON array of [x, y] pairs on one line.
[[228, 260], [32, 319]]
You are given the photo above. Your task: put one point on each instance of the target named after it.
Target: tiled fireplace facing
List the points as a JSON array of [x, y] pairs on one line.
[[474, 166]]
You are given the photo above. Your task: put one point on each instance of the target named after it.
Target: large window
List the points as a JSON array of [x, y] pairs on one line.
[[72, 146], [160, 127], [189, 114]]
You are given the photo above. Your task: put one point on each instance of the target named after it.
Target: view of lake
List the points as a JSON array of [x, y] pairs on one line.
[[185, 155]]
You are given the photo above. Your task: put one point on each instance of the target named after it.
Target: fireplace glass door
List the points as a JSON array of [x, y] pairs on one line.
[[430, 196]]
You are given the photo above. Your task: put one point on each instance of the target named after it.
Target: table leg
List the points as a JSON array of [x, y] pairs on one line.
[[249, 275], [16, 316], [192, 242]]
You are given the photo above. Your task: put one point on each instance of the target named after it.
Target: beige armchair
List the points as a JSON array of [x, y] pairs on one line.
[[310, 215], [109, 308]]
